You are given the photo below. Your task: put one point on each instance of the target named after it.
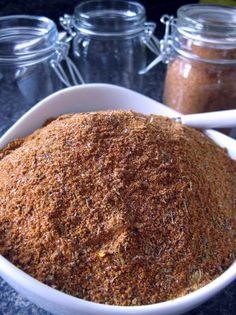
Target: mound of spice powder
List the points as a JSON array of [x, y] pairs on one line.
[[117, 207]]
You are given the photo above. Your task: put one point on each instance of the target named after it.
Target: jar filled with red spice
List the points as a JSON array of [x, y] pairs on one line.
[[200, 47]]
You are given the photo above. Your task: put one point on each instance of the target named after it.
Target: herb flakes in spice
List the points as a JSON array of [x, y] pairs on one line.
[[132, 209]]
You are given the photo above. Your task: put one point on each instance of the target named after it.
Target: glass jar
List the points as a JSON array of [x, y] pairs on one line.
[[200, 49], [31, 58], [110, 40]]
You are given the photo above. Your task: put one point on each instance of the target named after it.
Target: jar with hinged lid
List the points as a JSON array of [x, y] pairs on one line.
[[111, 41], [199, 47], [33, 64], [201, 74]]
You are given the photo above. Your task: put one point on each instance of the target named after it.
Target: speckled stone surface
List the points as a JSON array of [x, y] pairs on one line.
[[11, 108]]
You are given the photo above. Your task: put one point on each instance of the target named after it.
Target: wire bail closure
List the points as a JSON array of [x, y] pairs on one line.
[[149, 39], [165, 47], [70, 75], [66, 22]]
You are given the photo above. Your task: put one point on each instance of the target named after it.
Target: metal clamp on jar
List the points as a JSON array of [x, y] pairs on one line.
[[110, 40], [200, 49], [33, 63]]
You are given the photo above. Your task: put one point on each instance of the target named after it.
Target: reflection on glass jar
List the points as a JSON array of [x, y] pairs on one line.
[[110, 40], [30, 64]]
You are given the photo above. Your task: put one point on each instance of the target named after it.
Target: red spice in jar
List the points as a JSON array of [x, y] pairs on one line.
[[193, 86]]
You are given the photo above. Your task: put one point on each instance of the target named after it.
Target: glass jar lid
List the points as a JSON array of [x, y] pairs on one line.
[[109, 17], [208, 24], [26, 39]]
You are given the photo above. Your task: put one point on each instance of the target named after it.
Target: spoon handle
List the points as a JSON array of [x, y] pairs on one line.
[[219, 119]]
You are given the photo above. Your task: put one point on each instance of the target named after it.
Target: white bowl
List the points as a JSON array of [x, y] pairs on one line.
[[94, 97]]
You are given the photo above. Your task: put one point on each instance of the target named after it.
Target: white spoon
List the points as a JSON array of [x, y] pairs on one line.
[[219, 119]]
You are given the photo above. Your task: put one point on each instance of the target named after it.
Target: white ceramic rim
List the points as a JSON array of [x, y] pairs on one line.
[[53, 295], [45, 292]]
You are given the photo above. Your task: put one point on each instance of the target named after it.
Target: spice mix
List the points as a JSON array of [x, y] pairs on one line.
[[117, 207]]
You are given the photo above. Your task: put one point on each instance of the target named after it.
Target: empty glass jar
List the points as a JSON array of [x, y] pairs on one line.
[[31, 58], [110, 40]]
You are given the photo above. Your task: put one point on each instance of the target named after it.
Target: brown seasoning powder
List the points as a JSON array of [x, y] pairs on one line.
[[117, 207], [193, 86]]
